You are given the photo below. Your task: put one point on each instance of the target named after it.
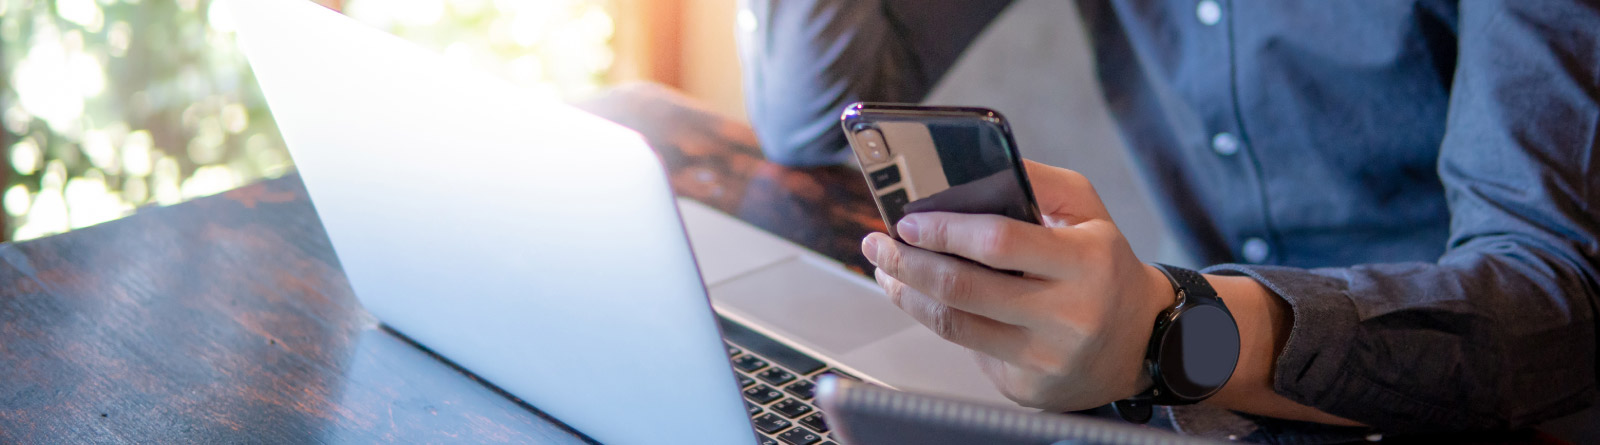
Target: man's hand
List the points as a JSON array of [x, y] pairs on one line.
[[1071, 332]]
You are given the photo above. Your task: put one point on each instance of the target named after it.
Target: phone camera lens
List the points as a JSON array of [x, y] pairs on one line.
[[874, 150]]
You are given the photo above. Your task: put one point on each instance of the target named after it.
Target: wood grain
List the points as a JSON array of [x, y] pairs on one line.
[[225, 319]]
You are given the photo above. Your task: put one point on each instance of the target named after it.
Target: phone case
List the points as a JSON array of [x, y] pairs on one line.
[[948, 159]]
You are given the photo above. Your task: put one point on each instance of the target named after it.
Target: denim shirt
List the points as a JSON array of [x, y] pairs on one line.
[[1417, 179]]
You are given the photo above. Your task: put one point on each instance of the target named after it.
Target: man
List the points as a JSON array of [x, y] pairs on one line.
[[1400, 200]]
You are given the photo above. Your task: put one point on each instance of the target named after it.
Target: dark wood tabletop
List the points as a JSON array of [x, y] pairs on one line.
[[227, 319]]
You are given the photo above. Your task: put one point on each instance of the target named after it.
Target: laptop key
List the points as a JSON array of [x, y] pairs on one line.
[[752, 408], [749, 363], [799, 436], [770, 441], [803, 389], [824, 443], [745, 381], [815, 422], [791, 408], [732, 351], [770, 423], [776, 376], [762, 394]]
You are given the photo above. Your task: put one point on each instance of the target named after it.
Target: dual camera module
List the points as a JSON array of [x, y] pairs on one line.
[[875, 150], [873, 146]]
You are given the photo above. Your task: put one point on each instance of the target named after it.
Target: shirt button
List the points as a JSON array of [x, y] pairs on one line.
[[1256, 250], [1374, 437], [1209, 12], [1225, 143]]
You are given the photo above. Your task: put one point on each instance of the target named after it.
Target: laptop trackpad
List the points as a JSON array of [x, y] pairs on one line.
[[812, 304]]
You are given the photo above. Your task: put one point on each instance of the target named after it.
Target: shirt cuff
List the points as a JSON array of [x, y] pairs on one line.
[[1310, 365]]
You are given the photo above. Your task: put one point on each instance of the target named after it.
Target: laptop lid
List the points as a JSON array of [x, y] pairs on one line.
[[529, 242]]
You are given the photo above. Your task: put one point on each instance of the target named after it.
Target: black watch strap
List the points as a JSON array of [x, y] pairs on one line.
[[1187, 283], [1190, 290]]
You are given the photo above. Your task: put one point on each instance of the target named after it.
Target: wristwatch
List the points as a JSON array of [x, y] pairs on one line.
[[1192, 352]]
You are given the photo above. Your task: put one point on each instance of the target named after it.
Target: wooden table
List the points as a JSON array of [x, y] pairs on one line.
[[227, 319]]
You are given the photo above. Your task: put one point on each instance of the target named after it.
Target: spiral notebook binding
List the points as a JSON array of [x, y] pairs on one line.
[[860, 397]]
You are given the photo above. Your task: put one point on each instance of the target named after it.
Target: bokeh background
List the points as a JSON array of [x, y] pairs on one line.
[[112, 105]]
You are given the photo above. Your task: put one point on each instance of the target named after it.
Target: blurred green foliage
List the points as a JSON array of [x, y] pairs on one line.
[[110, 105]]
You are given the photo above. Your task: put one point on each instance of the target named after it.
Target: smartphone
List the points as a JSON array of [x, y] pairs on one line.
[[938, 159]]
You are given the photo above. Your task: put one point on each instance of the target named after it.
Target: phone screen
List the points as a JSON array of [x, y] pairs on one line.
[[941, 163]]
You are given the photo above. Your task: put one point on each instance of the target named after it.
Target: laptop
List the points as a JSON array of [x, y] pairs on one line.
[[541, 248]]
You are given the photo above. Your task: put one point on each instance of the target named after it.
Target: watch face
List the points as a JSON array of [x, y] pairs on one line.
[[1198, 351]]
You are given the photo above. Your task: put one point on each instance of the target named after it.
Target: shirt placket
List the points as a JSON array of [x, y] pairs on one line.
[[1228, 139]]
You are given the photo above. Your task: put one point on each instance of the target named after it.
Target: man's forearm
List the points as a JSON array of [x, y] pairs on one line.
[[804, 60], [1264, 321]]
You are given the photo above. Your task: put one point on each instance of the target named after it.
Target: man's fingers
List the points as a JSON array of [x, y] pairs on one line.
[[954, 282], [996, 241], [1064, 194], [964, 328]]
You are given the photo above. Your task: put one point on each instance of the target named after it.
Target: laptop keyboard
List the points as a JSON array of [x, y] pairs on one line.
[[780, 401], [779, 386]]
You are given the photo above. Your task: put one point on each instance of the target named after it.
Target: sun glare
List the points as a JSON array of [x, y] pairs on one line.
[[116, 104]]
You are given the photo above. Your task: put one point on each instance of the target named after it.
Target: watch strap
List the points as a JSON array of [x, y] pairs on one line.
[[1135, 410], [1190, 288], [1187, 283]]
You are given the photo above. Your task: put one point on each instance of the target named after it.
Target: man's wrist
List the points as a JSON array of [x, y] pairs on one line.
[[1193, 318], [1161, 297], [1265, 321], [1263, 327]]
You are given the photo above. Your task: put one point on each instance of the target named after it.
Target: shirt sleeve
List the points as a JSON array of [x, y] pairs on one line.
[[804, 60], [1500, 332]]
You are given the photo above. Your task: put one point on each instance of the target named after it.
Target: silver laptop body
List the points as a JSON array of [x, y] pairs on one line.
[[541, 248]]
